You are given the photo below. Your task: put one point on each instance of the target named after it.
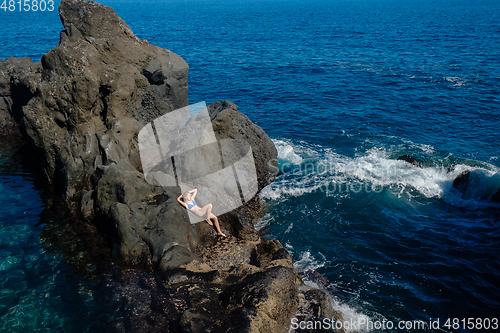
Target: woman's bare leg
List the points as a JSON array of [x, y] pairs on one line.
[[206, 210], [217, 226]]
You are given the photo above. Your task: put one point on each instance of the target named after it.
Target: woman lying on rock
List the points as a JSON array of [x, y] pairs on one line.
[[189, 203]]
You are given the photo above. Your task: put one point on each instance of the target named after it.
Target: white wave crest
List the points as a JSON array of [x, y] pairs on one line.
[[264, 221], [351, 315], [286, 151], [375, 170], [455, 80], [307, 262]]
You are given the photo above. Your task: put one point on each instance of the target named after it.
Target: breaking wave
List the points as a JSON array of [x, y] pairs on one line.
[[305, 168]]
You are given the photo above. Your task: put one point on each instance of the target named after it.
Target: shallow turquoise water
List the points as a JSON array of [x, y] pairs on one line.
[[41, 288], [31, 278]]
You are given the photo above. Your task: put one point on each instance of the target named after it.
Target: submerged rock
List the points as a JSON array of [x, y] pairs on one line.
[[478, 184], [414, 161], [461, 182]]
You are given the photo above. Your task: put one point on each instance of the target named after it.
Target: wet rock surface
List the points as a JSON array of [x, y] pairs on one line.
[[409, 159], [315, 312], [461, 182], [80, 109], [477, 185]]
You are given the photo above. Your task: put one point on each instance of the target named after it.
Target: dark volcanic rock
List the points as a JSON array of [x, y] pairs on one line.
[[411, 160], [462, 181], [82, 108], [92, 96], [14, 94], [477, 185], [315, 306], [264, 300], [272, 251], [224, 116]]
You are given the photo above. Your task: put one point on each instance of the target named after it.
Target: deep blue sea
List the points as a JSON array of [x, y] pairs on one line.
[[343, 87]]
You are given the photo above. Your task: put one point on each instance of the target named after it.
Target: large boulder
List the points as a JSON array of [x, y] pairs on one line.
[[94, 92], [264, 301], [228, 123]]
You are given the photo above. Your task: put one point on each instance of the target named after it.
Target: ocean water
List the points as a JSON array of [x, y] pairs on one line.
[[343, 87], [38, 291]]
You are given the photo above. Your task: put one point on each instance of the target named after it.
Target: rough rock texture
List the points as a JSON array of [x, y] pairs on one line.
[[94, 92], [13, 95], [315, 306], [462, 181], [224, 116], [243, 294], [409, 159], [81, 108]]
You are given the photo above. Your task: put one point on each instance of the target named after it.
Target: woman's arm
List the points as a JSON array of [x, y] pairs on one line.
[[195, 191], [182, 203]]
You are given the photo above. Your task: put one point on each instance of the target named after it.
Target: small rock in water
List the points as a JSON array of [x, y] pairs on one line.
[[462, 181], [411, 160]]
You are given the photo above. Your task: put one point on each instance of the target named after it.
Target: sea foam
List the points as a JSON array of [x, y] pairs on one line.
[[307, 262], [316, 168]]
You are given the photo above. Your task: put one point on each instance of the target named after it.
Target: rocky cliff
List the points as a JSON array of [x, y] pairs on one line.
[[81, 109]]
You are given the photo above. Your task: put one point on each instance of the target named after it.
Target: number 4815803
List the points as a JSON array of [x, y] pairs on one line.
[[27, 5]]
